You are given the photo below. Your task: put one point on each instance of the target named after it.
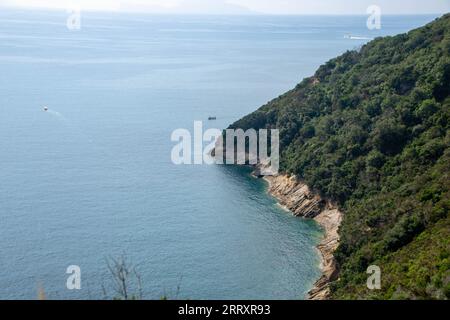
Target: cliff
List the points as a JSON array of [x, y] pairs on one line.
[[302, 202], [370, 130]]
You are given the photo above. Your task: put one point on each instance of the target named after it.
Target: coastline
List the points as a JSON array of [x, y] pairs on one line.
[[302, 202]]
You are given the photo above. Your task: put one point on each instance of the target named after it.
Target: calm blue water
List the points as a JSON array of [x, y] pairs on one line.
[[93, 179]]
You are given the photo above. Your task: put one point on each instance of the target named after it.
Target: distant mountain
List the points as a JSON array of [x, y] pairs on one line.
[[221, 7], [370, 130], [212, 7]]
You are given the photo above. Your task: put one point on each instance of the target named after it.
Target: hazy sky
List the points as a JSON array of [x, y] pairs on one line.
[[244, 6]]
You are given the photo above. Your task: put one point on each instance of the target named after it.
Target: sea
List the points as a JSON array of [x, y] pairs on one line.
[[89, 181]]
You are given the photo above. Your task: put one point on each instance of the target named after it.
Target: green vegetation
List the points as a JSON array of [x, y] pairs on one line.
[[370, 130]]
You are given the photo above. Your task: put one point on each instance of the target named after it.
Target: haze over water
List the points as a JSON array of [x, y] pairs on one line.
[[92, 178]]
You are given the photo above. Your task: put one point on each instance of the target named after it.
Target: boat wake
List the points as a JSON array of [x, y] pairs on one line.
[[357, 37]]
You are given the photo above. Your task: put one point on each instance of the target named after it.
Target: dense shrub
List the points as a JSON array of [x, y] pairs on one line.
[[370, 130]]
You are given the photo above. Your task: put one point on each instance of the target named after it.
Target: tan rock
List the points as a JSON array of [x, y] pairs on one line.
[[302, 202]]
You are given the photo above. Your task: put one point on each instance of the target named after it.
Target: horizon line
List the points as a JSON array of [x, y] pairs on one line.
[[250, 13]]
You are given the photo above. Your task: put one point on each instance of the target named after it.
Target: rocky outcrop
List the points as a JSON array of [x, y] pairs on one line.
[[302, 202]]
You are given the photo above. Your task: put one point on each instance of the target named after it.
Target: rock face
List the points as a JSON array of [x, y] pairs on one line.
[[302, 202]]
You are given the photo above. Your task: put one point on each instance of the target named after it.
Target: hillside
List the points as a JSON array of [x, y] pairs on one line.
[[370, 131]]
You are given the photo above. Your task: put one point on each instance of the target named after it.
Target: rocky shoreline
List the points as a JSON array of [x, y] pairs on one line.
[[302, 202]]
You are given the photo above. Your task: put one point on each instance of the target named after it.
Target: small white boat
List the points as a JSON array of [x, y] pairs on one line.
[[45, 109]]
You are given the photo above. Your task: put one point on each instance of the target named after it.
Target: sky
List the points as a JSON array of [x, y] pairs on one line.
[[240, 6]]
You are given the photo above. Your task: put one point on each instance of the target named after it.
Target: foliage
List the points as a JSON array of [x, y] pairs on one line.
[[370, 130]]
